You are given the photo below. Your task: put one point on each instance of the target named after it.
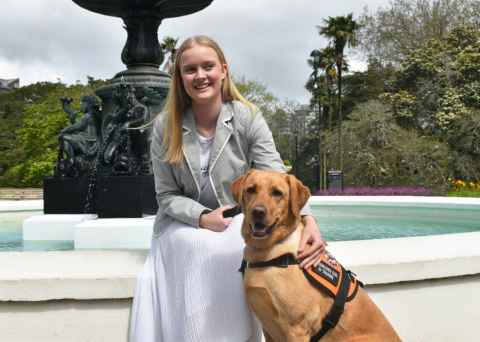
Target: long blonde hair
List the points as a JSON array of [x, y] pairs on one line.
[[178, 100]]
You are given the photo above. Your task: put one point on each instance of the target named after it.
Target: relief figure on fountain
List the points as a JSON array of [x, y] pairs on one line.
[[125, 143], [79, 142]]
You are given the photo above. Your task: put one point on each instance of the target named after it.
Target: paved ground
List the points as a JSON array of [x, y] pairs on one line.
[[21, 193]]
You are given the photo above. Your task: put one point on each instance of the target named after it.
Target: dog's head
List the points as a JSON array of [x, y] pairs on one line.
[[271, 203]]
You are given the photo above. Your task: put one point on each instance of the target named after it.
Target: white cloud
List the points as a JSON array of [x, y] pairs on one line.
[[266, 40]]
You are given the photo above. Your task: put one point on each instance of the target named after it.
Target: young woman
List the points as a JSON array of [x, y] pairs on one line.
[[207, 136]]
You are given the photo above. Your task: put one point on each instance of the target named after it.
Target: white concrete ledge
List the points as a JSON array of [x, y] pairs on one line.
[[53, 226], [35, 276], [23, 205], [39, 276], [133, 233], [409, 259]]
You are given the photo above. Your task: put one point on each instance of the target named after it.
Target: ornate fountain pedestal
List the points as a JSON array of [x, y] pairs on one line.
[[114, 177]]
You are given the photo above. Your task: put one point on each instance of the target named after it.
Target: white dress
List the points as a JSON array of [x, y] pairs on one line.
[[190, 289]]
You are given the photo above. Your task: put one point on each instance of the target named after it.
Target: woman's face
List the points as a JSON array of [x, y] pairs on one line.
[[202, 74]]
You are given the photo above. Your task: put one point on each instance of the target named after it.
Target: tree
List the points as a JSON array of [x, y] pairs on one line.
[[257, 93], [359, 87], [382, 153], [437, 93], [28, 147], [293, 128], [392, 32], [342, 31], [169, 47], [321, 86], [438, 82]]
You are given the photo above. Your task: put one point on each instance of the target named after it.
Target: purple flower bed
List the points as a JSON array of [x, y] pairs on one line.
[[381, 191]]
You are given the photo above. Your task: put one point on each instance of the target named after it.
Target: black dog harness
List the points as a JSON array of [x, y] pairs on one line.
[[328, 276]]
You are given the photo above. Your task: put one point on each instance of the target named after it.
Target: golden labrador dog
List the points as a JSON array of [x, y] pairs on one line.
[[289, 307]]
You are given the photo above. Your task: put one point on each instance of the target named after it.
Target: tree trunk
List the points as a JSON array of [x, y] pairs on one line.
[[340, 115], [320, 185]]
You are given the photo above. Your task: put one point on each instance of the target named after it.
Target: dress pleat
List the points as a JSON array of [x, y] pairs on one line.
[[190, 290]]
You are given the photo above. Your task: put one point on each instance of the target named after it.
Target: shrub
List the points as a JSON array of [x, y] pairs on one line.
[[379, 153]]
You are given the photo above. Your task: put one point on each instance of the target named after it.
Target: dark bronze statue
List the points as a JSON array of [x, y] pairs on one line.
[[78, 143], [116, 142], [72, 115], [125, 143]]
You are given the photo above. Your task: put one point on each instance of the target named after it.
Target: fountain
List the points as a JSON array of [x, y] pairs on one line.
[[103, 168], [103, 164]]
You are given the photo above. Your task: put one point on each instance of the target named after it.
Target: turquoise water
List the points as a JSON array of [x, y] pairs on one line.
[[337, 223], [11, 235], [362, 222]]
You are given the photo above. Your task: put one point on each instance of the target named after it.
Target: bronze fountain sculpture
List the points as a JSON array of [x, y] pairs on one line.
[[103, 162]]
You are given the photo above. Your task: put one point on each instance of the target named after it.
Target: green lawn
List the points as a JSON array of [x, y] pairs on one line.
[[464, 193]]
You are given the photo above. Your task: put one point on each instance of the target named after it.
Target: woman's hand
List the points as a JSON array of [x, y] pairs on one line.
[[214, 220], [312, 246]]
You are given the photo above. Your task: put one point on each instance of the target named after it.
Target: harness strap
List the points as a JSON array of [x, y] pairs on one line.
[[336, 311], [338, 306], [283, 261]]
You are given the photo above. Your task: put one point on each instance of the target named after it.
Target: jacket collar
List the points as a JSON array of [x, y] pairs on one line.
[[190, 141], [224, 119]]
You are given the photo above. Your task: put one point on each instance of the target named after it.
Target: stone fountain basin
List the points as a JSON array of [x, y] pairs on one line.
[[157, 8]]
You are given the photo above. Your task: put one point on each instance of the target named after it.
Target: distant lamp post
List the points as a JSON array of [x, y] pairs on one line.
[[316, 56]]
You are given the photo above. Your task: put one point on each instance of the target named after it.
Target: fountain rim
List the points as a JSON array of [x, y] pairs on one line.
[[160, 9]]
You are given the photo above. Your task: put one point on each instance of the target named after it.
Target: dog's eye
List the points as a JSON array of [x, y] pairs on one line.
[[277, 193], [251, 189]]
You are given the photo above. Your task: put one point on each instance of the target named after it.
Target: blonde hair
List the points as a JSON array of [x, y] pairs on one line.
[[178, 100]]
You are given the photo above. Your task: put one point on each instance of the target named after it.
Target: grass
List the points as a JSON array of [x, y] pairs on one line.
[[464, 193]]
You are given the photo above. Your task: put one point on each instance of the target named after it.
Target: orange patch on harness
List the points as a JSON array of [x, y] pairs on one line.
[[327, 276]]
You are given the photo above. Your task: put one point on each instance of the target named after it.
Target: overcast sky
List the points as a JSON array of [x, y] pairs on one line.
[[264, 40]]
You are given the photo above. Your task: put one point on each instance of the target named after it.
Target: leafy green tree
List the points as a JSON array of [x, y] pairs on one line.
[[29, 149], [257, 93], [293, 128], [437, 92], [392, 32], [367, 85], [342, 31], [438, 82], [379, 152]]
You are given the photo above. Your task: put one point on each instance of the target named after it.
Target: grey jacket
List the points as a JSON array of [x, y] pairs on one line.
[[242, 139]]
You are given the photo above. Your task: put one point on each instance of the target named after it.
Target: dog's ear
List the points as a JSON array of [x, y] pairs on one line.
[[237, 187], [299, 195]]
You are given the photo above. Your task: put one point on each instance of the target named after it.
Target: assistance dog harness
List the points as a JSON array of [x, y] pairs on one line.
[[329, 276]]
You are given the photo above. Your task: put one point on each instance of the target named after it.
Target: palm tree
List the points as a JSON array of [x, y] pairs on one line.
[[341, 31], [169, 46], [326, 62], [322, 61]]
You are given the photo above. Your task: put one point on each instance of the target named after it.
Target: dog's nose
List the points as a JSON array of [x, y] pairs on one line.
[[258, 212]]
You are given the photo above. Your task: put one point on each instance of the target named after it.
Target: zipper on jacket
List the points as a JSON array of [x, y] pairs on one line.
[[213, 164], [193, 176]]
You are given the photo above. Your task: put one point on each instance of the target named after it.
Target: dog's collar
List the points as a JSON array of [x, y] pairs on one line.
[[283, 261]]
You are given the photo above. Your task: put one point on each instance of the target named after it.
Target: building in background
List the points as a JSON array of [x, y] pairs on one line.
[[9, 85]]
